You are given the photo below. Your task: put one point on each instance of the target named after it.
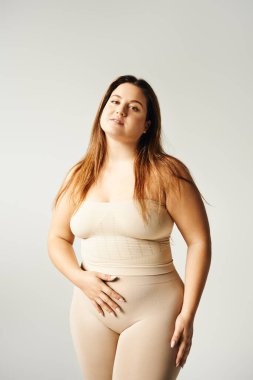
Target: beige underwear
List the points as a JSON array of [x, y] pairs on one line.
[[135, 344]]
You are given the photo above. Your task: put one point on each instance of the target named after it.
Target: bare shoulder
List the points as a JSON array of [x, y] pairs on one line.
[[61, 213], [184, 202], [172, 166], [172, 171]]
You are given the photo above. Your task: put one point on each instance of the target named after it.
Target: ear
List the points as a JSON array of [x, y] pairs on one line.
[[147, 124]]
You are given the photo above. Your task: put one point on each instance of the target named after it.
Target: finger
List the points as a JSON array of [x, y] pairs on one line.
[[180, 354], [105, 277], [186, 353], [98, 308], [113, 306], [102, 303], [175, 338], [112, 293], [183, 352], [110, 305]]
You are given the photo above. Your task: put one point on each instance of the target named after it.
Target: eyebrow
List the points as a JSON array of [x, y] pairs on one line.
[[137, 101]]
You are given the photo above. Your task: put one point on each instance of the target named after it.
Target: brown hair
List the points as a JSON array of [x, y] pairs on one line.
[[152, 165]]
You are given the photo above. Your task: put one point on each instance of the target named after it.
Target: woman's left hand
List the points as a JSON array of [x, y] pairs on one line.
[[183, 337]]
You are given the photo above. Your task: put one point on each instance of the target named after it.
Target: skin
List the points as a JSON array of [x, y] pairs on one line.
[[116, 183], [121, 140]]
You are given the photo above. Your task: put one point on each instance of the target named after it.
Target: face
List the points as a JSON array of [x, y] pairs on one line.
[[128, 105]]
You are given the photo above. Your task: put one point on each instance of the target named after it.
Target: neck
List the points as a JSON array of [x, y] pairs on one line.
[[119, 152]]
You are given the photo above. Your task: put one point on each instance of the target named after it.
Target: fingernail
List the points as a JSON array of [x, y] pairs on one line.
[[172, 344], [117, 309], [121, 300], [113, 277]]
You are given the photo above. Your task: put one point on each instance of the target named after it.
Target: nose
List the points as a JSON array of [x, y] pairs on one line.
[[121, 112]]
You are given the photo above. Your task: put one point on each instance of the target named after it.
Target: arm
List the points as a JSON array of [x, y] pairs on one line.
[[61, 253], [196, 271], [64, 259], [60, 241], [189, 214]]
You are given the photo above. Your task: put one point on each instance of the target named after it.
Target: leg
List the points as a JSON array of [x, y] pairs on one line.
[[143, 350], [144, 353], [94, 343]]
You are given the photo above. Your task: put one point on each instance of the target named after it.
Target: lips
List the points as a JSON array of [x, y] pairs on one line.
[[119, 121]]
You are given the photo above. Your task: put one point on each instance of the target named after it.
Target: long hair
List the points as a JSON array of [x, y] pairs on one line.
[[152, 165]]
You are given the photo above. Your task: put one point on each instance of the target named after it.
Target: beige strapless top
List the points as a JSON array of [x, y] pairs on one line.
[[115, 239]]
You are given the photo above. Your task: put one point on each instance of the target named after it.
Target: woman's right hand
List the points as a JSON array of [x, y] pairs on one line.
[[99, 293]]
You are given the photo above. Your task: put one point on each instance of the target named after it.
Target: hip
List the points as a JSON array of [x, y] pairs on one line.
[[145, 295]]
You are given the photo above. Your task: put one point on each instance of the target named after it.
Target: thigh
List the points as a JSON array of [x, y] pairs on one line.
[[94, 343], [143, 351]]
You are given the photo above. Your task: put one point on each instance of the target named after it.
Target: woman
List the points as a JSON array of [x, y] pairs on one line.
[[122, 200]]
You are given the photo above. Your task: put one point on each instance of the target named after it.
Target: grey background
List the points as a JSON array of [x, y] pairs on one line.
[[57, 59]]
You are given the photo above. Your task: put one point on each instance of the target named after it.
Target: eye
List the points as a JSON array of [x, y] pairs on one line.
[[116, 101]]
